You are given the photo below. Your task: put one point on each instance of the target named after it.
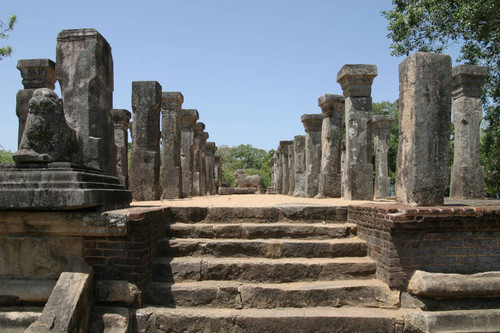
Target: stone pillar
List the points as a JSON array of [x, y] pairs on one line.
[[312, 124], [467, 174], [285, 169], [211, 148], [217, 172], [121, 119], [36, 73], [291, 168], [203, 168], [197, 156], [381, 125], [356, 82], [84, 69], [342, 165], [424, 129], [145, 153], [188, 119], [299, 146], [279, 171], [171, 173], [332, 133], [272, 163]]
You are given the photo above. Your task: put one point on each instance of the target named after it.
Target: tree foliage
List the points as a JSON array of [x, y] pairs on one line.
[[474, 25], [4, 29], [5, 155], [252, 160]]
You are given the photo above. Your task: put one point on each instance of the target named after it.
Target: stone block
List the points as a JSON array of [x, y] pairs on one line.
[[312, 125]]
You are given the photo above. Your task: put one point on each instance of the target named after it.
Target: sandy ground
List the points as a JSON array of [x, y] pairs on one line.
[[267, 200]]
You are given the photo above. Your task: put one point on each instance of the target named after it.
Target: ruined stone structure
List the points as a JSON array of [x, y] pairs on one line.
[[171, 171], [424, 141], [203, 168], [299, 147], [145, 154], [285, 166], [197, 158], [356, 82], [210, 150], [381, 125], [467, 174], [188, 121], [121, 119], [312, 125], [36, 73], [332, 107], [217, 172], [291, 168], [278, 174]]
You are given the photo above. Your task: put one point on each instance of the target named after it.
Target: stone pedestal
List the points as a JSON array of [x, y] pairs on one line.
[[210, 150], [84, 69], [467, 174], [381, 125], [291, 168], [145, 153], [188, 124], [121, 119], [356, 82], [285, 167], [332, 133], [312, 124], [171, 175], [299, 146], [36, 73], [424, 133], [197, 158]]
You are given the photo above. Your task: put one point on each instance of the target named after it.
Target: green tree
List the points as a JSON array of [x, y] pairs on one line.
[[389, 108], [474, 25], [5, 155], [4, 29]]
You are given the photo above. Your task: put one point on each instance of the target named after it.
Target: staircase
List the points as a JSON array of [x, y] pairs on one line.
[[281, 269]]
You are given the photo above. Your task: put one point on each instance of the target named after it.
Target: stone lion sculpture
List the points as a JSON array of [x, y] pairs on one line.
[[47, 136], [244, 180]]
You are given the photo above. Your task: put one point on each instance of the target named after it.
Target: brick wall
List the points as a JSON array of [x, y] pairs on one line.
[[128, 257], [437, 239]]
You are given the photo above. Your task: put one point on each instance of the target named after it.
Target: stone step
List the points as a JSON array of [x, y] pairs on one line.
[[262, 269], [283, 320], [18, 319], [267, 248], [260, 230], [367, 293]]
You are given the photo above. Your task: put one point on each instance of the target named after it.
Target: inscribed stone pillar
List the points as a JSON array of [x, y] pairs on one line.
[[210, 150], [312, 124], [188, 120], [171, 175], [467, 174], [291, 168], [145, 153], [424, 129], [356, 82], [285, 169], [217, 172], [299, 146], [381, 125], [36, 73], [332, 133], [84, 69], [203, 168], [279, 171], [121, 119], [197, 156]]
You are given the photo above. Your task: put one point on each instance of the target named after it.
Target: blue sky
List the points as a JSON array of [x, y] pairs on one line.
[[251, 68]]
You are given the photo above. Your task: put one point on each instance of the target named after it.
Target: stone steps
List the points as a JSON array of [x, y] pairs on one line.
[[232, 294], [266, 248], [262, 269], [280, 320], [259, 230]]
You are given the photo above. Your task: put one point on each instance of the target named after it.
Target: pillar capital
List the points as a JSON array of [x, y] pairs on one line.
[[205, 136], [210, 147], [382, 123], [312, 122], [200, 127], [189, 117], [356, 80], [37, 73], [284, 146], [468, 80], [331, 103], [121, 117], [171, 100]]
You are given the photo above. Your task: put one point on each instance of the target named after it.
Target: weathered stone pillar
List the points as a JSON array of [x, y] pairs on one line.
[[312, 124], [84, 69], [467, 174], [217, 172], [279, 171], [36, 73], [299, 146], [211, 148], [342, 165], [197, 156], [203, 168], [188, 119], [121, 119], [171, 172], [381, 125], [145, 153], [332, 133], [291, 168], [285, 168], [424, 129], [272, 163], [356, 82]]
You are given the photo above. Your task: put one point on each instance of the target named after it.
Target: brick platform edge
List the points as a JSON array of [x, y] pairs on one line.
[[435, 239]]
